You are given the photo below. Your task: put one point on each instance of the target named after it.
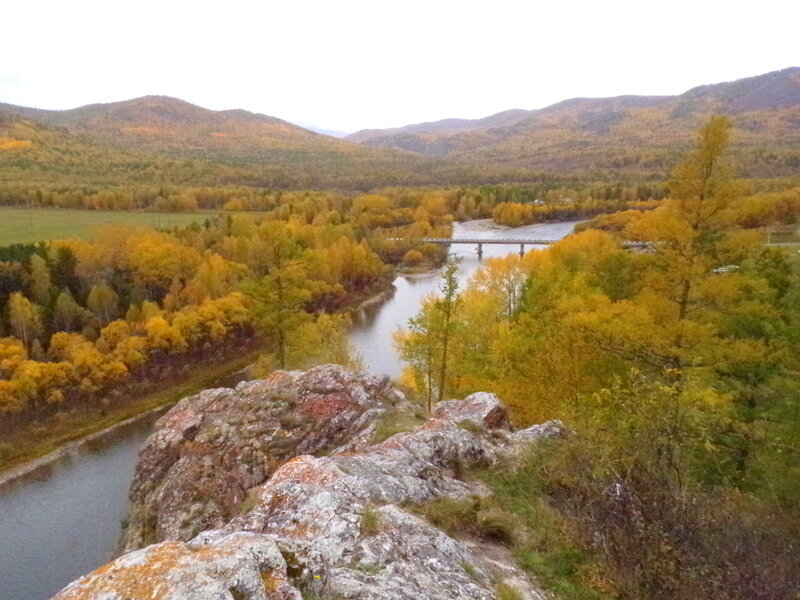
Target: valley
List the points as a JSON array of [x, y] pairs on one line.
[[109, 462], [612, 415]]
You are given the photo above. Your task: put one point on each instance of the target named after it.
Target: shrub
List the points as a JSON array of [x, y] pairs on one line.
[[594, 531], [412, 258], [395, 421], [503, 591]]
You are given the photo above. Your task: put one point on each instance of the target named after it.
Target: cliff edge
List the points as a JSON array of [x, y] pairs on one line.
[[240, 508]]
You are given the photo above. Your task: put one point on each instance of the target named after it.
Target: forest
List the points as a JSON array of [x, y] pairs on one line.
[[89, 321], [83, 317], [675, 366]]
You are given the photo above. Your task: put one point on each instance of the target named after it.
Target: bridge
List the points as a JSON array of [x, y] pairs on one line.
[[479, 242]]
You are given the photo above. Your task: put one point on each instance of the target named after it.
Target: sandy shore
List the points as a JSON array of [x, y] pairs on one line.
[[482, 225]]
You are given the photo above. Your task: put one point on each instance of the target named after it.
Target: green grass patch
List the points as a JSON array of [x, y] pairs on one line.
[[370, 521], [29, 225], [506, 592], [477, 516], [545, 544]]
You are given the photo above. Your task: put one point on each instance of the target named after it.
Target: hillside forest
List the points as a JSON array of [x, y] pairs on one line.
[[85, 318], [128, 153], [676, 367]]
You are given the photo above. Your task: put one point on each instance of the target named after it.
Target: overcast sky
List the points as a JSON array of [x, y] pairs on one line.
[[348, 65]]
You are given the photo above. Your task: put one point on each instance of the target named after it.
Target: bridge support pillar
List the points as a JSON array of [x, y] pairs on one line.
[[480, 250], [522, 250]]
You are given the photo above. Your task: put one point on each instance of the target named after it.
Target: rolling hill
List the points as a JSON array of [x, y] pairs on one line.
[[634, 134], [172, 125], [157, 140]]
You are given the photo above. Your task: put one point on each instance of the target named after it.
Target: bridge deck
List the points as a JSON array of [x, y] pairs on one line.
[[520, 241], [525, 241]]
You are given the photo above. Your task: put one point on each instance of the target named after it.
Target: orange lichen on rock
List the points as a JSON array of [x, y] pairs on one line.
[[143, 581], [332, 524], [307, 469], [211, 566]]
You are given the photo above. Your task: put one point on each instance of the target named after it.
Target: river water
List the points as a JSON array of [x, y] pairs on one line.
[[63, 520], [374, 325]]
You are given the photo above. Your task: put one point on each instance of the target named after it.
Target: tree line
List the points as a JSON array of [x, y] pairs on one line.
[[462, 202]]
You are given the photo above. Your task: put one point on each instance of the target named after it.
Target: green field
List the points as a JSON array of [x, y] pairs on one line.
[[23, 225]]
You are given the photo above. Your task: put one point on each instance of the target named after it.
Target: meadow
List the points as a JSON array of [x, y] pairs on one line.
[[25, 225]]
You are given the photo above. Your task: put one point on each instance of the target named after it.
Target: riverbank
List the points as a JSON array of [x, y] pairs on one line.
[[48, 440], [44, 442]]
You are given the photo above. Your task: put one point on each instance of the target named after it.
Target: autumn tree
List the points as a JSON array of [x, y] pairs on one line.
[[40, 280], [68, 315], [322, 340], [64, 269], [448, 307], [103, 302], [280, 297], [416, 345], [426, 344], [24, 318]]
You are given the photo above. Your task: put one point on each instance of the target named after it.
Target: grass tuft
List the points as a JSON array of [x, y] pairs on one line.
[[503, 591], [370, 521], [472, 516], [395, 421]]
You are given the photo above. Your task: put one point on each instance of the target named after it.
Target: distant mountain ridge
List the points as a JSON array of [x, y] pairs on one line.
[[609, 133], [507, 117], [771, 90], [160, 139], [142, 138]]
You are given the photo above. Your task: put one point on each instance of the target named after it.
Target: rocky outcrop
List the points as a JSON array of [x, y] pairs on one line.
[[334, 526], [210, 449]]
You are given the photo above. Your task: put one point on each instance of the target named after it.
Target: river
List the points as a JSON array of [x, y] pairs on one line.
[[374, 324], [62, 520]]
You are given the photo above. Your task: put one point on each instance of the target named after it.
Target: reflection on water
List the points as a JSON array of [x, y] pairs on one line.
[[63, 520], [373, 326]]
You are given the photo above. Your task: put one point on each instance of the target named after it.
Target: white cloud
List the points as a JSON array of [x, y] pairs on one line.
[[351, 64]]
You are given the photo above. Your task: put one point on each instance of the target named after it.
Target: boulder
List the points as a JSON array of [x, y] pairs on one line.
[[482, 409]]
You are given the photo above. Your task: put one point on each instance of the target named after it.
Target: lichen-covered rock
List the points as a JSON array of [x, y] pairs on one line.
[[537, 432], [333, 526], [481, 408], [210, 449], [240, 566]]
